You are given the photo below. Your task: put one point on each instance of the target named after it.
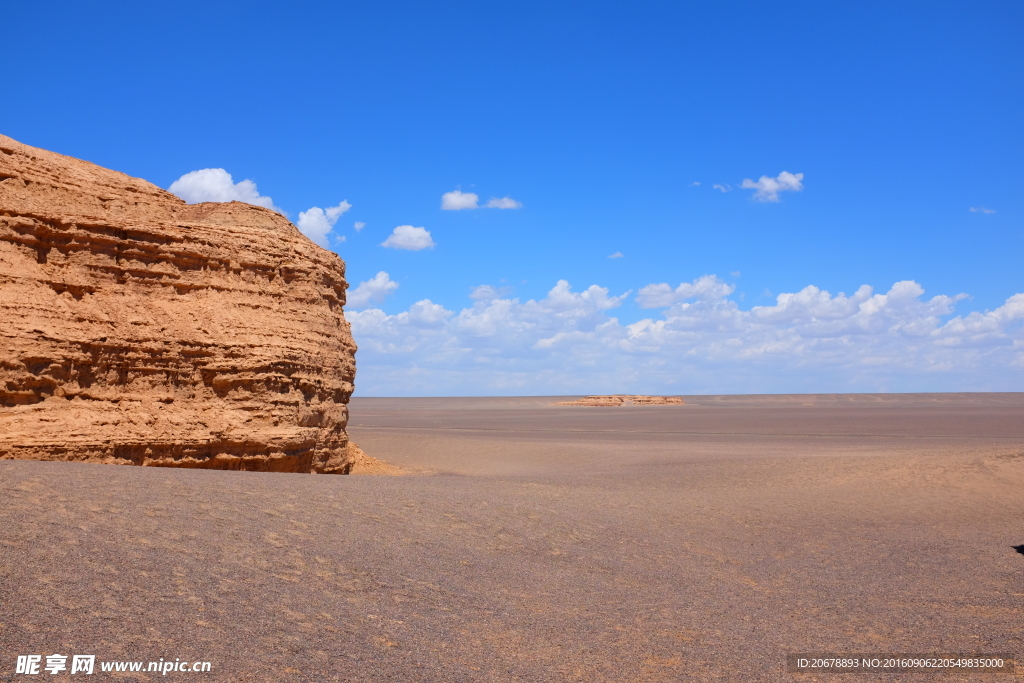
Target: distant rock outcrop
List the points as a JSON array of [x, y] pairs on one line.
[[616, 400], [138, 329]]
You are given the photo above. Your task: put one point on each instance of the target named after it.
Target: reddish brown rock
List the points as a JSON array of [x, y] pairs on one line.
[[138, 329], [616, 400]]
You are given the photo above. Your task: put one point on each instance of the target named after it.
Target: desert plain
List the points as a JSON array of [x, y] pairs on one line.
[[525, 541]]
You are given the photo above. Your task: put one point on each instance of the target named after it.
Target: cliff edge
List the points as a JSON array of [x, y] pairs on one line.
[[138, 329]]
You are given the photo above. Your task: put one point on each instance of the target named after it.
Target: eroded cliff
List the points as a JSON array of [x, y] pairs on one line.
[[138, 329]]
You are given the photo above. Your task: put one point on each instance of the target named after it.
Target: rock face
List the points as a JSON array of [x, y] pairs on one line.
[[616, 400], [138, 329]]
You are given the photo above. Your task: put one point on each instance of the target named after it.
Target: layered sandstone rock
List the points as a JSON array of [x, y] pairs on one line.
[[138, 329], [616, 400]]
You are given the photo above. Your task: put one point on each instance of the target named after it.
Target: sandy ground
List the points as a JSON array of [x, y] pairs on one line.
[[541, 543]]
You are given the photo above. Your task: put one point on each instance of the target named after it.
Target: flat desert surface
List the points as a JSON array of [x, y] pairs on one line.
[[531, 542]]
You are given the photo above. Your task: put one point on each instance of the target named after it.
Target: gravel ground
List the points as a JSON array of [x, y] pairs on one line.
[[540, 543]]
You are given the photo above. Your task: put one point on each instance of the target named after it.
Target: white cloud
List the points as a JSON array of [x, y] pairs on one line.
[[768, 189], [216, 185], [661, 295], [488, 293], [359, 225], [502, 203], [722, 188], [409, 238], [617, 254], [695, 183], [316, 223], [981, 209], [374, 290], [491, 324], [456, 200], [700, 342]]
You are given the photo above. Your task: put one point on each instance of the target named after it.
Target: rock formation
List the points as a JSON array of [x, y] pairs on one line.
[[616, 400], [138, 329]]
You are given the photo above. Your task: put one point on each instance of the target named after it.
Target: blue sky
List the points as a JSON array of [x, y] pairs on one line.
[[598, 118]]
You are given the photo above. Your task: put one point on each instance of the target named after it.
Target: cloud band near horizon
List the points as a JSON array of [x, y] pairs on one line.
[[700, 342]]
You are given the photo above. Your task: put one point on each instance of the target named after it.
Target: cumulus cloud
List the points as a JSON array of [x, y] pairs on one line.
[[767, 189], [374, 290], [488, 293], [316, 223], [409, 238], [661, 295], [456, 200], [722, 188], [617, 254], [981, 209], [699, 342], [503, 203], [216, 185], [491, 324], [359, 225]]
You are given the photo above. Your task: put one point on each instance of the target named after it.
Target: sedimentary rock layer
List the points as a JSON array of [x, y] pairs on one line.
[[138, 329]]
